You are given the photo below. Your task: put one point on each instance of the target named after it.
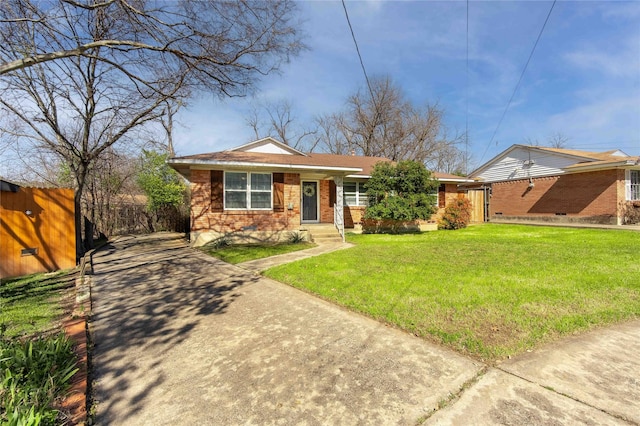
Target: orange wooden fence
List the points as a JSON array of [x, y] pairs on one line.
[[36, 231]]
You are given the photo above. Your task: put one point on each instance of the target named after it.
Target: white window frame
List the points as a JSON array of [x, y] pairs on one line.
[[632, 189], [436, 195], [248, 191], [361, 195]]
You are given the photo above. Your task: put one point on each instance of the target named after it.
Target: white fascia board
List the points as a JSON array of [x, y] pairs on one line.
[[206, 165], [358, 176], [461, 180], [595, 167]]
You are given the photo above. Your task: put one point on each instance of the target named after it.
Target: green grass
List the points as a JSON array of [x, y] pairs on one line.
[[33, 304], [489, 290], [243, 253]]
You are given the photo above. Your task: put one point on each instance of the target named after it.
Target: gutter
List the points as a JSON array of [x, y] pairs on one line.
[[244, 164]]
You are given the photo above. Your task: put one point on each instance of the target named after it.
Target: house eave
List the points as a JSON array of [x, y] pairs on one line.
[[210, 164], [578, 168]]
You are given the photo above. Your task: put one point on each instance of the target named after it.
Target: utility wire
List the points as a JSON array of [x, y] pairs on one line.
[[466, 124], [373, 99], [519, 81]]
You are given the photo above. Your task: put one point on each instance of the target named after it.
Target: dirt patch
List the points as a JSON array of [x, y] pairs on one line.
[[74, 406]]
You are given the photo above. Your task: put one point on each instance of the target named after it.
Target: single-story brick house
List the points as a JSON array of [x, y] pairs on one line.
[[265, 190], [559, 185]]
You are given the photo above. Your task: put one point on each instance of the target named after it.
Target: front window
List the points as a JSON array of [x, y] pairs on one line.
[[355, 194], [244, 190], [634, 185]]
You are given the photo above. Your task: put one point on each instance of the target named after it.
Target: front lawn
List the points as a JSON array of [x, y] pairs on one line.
[[235, 254], [488, 290]]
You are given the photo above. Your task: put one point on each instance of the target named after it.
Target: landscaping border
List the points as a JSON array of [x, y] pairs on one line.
[[76, 329]]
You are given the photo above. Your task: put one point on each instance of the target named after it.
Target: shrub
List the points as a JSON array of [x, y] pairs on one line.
[[457, 214], [33, 375], [630, 212], [400, 192], [218, 243], [297, 237]]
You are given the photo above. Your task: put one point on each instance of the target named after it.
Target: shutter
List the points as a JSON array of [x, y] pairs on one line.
[[441, 196], [332, 193], [278, 192], [217, 190]]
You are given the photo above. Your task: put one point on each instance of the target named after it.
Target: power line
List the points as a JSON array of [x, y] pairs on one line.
[[519, 81], [466, 124], [366, 77]]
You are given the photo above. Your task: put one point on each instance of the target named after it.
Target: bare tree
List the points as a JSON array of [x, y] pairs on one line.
[[558, 140], [384, 123], [276, 119], [80, 76], [555, 140]]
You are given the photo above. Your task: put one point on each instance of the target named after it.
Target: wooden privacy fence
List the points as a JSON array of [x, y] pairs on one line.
[[476, 196], [37, 230]]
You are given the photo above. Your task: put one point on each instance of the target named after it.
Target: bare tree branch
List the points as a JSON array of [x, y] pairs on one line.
[[86, 79]]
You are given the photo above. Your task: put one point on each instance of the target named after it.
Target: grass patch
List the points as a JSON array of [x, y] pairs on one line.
[[33, 304], [243, 253], [489, 291], [36, 364]]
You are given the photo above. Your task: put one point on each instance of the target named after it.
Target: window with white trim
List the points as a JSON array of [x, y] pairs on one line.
[[247, 191], [633, 193], [355, 194], [435, 193]]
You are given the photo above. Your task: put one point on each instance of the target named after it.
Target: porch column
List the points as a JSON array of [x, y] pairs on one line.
[[338, 213]]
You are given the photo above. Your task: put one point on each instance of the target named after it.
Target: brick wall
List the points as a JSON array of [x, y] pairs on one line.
[[451, 194], [203, 219], [353, 215], [326, 208], [589, 197]]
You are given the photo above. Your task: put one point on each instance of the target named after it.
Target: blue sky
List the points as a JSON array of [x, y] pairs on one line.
[[583, 80]]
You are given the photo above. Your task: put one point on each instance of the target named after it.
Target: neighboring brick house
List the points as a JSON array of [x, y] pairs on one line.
[[559, 185], [265, 189]]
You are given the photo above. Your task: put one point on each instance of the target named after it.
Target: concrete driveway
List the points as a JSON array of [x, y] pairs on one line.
[[182, 338]]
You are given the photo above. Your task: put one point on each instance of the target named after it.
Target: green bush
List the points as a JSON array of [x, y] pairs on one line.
[[33, 375], [400, 192], [457, 214]]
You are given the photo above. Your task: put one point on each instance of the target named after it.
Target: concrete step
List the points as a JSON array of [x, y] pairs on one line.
[[324, 233]]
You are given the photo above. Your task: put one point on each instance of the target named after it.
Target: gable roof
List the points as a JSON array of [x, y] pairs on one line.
[[268, 145], [568, 160]]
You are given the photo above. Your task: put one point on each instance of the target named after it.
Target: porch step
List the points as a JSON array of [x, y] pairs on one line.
[[323, 233]]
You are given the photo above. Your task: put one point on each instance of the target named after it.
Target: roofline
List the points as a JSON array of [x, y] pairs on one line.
[[531, 147], [461, 180], [607, 166], [172, 162]]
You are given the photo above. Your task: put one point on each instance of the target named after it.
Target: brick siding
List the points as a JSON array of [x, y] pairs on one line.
[[203, 219], [591, 197]]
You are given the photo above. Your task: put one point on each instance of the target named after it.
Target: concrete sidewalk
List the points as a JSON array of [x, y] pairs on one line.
[[260, 265], [183, 338]]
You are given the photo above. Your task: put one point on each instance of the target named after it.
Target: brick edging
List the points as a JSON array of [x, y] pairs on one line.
[[75, 404], [76, 329]]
